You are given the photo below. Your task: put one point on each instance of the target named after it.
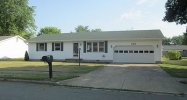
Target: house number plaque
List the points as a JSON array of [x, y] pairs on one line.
[[133, 43]]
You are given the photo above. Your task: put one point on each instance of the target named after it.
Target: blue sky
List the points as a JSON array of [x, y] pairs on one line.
[[109, 15]]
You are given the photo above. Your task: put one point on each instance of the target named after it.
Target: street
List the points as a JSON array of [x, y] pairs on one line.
[[28, 91]]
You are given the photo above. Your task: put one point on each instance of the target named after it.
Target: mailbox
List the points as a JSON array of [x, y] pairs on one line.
[[49, 60]]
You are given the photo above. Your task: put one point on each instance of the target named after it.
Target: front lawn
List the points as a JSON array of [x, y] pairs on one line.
[[176, 68], [36, 70]]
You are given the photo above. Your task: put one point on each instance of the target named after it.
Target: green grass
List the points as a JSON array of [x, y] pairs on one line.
[[36, 70], [37, 77], [176, 68]]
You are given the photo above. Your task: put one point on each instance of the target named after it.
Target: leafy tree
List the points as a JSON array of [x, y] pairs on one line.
[[16, 18], [176, 11], [184, 42], [96, 30], [49, 30], [166, 41], [177, 40], [26, 58], [81, 28]]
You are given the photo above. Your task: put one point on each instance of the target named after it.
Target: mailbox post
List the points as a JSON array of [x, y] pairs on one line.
[[79, 55], [49, 60]]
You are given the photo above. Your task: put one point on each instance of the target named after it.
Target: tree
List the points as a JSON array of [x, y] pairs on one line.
[[176, 11], [177, 40], [16, 18], [49, 30], [26, 58], [81, 28], [184, 42], [96, 30], [166, 41]]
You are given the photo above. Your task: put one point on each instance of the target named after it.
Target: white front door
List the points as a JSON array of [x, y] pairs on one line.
[[134, 54]]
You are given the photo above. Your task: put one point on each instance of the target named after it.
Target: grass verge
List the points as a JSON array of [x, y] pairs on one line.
[[37, 77], [36, 70], [176, 68]]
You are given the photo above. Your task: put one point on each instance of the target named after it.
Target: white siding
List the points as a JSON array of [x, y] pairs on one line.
[[68, 50], [66, 53], [13, 48]]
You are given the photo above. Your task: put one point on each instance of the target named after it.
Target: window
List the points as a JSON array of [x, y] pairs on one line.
[[140, 51], [89, 46], [135, 51], [95, 47], [101, 46], [41, 47], [145, 51], [57, 46], [125, 51], [116, 51], [151, 51], [130, 51], [120, 51]]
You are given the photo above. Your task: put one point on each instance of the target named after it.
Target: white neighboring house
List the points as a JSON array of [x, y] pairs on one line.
[[135, 46], [181, 48], [12, 47]]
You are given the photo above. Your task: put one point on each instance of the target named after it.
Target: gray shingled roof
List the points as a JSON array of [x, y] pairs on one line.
[[174, 47], [108, 35], [5, 37]]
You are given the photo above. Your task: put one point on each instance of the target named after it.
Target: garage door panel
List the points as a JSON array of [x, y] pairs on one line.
[[134, 54]]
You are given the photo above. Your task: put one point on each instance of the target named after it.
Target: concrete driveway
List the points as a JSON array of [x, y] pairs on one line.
[[144, 77]]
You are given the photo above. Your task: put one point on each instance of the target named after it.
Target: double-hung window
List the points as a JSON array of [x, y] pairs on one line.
[[57, 46], [101, 46], [89, 46], [41, 46], [95, 47]]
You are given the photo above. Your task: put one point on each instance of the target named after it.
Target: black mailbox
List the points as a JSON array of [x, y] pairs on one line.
[[49, 60]]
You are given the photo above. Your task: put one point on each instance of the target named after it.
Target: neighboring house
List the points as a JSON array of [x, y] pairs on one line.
[[135, 46], [181, 48], [12, 47]]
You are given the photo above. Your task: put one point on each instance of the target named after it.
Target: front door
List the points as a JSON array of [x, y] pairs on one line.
[[75, 49]]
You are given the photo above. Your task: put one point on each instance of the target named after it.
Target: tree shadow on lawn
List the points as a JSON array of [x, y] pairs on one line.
[[176, 72]]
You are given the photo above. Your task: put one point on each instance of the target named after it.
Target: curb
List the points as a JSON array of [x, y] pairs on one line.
[[59, 84], [29, 81]]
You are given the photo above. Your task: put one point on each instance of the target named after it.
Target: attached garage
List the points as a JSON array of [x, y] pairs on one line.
[[134, 54]]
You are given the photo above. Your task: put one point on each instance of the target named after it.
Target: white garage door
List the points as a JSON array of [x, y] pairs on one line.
[[134, 54]]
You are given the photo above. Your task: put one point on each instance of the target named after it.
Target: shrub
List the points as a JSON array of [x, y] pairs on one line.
[[173, 55], [26, 58]]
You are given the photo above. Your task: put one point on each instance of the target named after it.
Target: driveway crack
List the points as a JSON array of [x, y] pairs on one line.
[[124, 81]]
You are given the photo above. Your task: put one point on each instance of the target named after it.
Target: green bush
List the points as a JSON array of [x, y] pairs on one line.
[[26, 58], [173, 55]]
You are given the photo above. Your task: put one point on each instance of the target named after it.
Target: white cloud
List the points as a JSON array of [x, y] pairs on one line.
[[131, 15], [141, 2]]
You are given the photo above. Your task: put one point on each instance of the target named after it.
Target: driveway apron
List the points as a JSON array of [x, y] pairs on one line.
[[143, 77]]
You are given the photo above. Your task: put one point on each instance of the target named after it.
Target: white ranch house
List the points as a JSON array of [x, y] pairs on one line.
[[12, 47], [135, 46]]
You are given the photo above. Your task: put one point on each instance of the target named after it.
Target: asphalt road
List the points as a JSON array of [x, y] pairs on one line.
[[27, 91]]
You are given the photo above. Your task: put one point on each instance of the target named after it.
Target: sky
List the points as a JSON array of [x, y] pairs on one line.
[[108, 15]]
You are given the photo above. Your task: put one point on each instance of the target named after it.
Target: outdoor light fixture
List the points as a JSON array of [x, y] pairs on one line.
[[157, 46]]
